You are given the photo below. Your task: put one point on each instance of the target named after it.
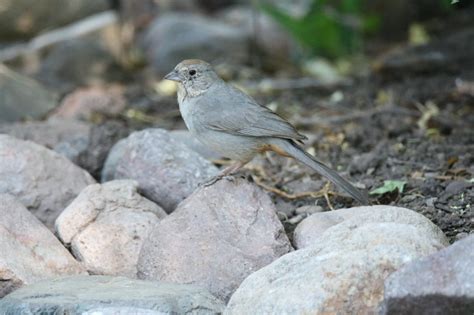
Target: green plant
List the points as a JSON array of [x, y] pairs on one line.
[[330, 30], [389, 186]]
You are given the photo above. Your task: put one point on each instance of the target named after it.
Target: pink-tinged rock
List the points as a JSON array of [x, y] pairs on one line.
[[343, 272], [83, 103], [29, 251], [106, 226], [310, 229], [215, 238], [44, 181]]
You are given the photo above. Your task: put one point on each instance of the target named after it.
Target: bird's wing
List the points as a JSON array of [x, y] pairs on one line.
[[245, 117]]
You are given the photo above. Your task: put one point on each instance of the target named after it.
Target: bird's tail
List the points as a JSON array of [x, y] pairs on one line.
[[297, 152]]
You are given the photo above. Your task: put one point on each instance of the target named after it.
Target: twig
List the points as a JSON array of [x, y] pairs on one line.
[[87, 25], [325, 191], [284, 194]]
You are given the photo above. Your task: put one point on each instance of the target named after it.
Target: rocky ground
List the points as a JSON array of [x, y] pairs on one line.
[[100, 202]]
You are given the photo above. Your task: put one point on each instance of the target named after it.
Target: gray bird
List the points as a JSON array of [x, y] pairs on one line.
[[235, 125]]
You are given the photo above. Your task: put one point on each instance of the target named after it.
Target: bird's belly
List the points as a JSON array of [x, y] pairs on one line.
[[239, 148]]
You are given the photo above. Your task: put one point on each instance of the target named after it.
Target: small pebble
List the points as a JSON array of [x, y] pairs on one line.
[[308, 210]]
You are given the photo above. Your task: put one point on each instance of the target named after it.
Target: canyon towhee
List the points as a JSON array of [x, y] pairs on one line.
[[235, 125]]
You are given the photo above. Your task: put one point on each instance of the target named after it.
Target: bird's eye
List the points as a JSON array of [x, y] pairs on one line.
[[192, 72]]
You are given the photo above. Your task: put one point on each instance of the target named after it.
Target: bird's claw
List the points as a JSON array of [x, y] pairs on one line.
[[215, 179]]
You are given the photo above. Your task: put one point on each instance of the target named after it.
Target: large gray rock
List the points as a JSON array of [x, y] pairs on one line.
[[310, 229], [24, 18], [22, 97], [84, 144], [44, 181], [276, 44], [215, 238], [106, 225], [78, 62], [109, 296], [442, 283], [29, 251], [342, 273], [167, 171], [176, 36]]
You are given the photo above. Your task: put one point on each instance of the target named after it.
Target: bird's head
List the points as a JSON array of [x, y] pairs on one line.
[[195, 75]]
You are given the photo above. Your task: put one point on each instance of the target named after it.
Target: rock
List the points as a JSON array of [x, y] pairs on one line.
[[166, 171], [312, 228], [271, 39], [342, 273], [84, 103], [442, 283], [454, 188], [78, 62], [22, 97], [44, 181], [29, 251], [308, 210], [23, 18], [106, 225], [86, 145], [109, 296], [215, 238], [194, 144], [176, 36], [101, 139], [50, 134]]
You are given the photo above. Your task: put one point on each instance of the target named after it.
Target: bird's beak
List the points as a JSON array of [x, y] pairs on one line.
[[173, 76]]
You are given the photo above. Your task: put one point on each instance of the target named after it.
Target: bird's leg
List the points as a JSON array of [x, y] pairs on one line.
[[229, 170]]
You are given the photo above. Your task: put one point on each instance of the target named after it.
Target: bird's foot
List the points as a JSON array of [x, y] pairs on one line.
[[211, 181], [215, 179]]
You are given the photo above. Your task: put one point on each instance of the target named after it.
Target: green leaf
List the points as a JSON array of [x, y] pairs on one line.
[[389, 186]]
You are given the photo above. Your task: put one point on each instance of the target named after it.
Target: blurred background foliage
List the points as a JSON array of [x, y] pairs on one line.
[[335, 29], [329, 30]]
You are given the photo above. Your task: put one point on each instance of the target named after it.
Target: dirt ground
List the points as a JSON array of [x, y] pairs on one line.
[[411, 120]]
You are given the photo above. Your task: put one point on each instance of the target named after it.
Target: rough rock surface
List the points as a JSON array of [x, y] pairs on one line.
[[215, 238], [343, 272], [167, 171], [22, 97], [84, 103], [106, 225], [310, 229], [442, 283], [109, 296], [44, 181], [78, 62], [84, 144], [29, 252], [177, 36]]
